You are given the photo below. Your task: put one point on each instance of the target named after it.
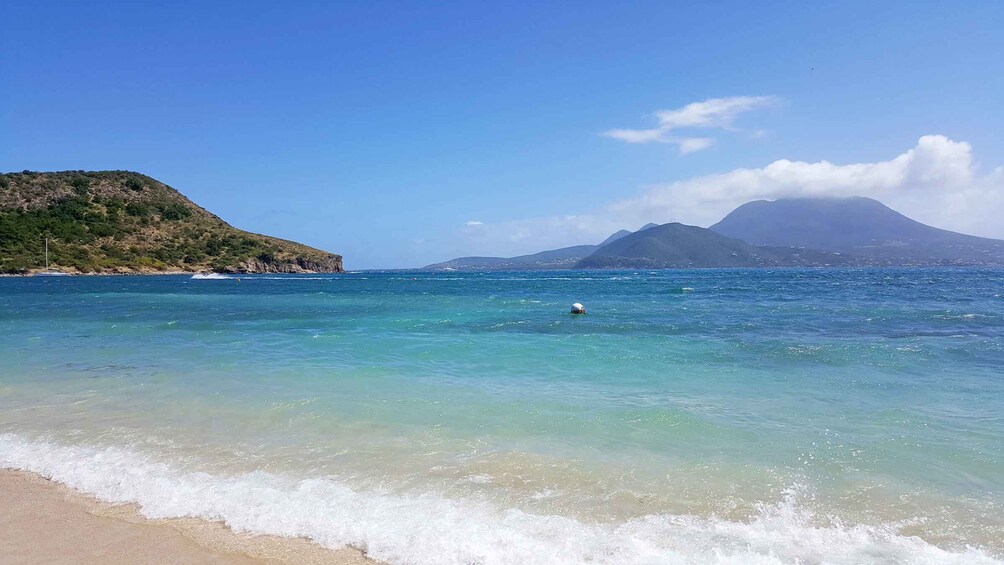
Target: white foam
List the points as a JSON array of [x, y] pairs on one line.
[[289, 278], [428, 529], [210, 276]]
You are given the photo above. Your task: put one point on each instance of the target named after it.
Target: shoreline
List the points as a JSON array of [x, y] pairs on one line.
[[165, 273], [967, 266], [45, 521]]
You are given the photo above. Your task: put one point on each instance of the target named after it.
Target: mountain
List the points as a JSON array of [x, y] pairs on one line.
[[861, 227], [125, 222], [564, 258], [792, 232], [677, 245], [614, 237]]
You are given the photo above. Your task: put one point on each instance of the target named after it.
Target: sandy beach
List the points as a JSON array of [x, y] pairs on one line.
[[45, 522]]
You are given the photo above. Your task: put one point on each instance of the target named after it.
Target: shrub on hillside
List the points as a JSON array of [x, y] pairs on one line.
[[175, 212], [80, 185]]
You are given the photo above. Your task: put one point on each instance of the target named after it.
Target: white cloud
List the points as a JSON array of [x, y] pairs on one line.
[[474, 223], [711, 113], [691, 144], [936, 167], [936, 182], [714, 112], [636, 135]]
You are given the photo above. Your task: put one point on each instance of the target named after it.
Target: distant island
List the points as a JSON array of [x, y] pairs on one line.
[[125, 222], [796, 232]]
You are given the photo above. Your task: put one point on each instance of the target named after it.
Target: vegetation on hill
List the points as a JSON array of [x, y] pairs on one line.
[[125, 222]]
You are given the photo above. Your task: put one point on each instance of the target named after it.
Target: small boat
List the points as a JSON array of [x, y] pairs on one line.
[[48, 272]]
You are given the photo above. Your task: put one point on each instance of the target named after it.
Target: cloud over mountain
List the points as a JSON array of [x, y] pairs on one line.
[[937, 182]]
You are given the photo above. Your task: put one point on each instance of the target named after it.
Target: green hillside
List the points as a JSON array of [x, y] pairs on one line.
[[677, 245], [125, 222]]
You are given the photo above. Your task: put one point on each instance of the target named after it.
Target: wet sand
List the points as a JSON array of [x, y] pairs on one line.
[[45, 522]]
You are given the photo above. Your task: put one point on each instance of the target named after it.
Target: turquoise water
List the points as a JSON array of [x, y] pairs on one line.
[[695, 416]]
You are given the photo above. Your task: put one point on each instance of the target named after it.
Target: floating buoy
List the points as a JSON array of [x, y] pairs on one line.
[[578, 308]]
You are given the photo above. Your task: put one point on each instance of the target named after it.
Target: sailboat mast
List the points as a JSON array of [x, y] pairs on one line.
[[46, 254]]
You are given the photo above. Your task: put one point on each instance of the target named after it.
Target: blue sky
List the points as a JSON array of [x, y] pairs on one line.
[[400, 134]]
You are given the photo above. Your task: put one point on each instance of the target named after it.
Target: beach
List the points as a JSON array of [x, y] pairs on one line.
[[45, 522], [514, 283]]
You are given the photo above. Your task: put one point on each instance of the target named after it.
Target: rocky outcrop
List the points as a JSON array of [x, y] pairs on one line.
[[330, 264]]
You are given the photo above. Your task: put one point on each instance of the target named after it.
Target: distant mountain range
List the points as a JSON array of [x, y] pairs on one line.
[[564, 258], [788, 232]]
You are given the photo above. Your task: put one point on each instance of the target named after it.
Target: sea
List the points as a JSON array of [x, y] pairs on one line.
[[691, 416]]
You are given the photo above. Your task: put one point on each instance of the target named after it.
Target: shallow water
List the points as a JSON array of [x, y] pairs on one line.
[[776, 416]]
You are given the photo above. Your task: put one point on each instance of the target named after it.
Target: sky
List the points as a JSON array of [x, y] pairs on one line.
[[400, 134]]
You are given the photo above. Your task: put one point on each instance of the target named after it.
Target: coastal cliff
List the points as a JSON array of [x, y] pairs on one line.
[[121, 222]]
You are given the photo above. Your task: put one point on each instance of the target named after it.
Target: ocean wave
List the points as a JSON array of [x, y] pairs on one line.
[[210, 276], [419, 529], [288, 278]]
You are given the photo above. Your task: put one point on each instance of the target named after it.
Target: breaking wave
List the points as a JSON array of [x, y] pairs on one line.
[[419, 529]]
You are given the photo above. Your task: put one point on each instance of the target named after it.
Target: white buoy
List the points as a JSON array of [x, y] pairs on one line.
[[578, 308]]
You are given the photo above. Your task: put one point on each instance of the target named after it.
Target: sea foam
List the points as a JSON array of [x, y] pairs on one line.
[[429, 529]]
